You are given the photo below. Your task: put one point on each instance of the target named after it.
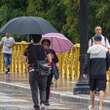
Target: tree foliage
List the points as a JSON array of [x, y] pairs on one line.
[[99, 14], [63, 14]]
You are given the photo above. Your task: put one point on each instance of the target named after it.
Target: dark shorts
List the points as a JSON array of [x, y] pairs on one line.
[[97, 84]]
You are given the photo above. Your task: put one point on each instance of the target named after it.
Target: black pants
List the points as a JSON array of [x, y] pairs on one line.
[[36, 82], [49, 82]]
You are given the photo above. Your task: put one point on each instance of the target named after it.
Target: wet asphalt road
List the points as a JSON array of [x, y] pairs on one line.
[[17, 100], [14, 99]]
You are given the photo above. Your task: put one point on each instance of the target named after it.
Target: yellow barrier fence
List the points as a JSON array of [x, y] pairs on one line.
[[68, 63]]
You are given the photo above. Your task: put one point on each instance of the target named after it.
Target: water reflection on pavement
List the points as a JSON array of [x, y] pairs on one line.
[[17, 100], [12, 99]]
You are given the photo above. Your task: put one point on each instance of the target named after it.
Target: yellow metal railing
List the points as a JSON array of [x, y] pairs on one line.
[[68, 63]]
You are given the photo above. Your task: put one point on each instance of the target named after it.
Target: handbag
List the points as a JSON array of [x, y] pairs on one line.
[[43, 68]]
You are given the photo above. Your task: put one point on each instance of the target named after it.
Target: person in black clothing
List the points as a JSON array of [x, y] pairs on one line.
[[46, 44], [34, 53]]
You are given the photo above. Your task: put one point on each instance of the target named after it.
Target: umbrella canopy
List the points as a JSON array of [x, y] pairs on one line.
[[28, 25], [58, 42]]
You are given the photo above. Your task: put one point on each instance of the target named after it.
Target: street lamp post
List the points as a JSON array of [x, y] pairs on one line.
[[82, 85]]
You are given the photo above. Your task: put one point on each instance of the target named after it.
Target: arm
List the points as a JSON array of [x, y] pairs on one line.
[[107, 61], [107, 44], [49, 58], [89, 43]]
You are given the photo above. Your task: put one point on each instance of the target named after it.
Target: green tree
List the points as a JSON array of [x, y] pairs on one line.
[[10, 9], [98, 11], [71, 28], [63, 14], [52, 10]]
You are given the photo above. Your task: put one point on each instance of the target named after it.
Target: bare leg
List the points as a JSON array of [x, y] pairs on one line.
[[92, 97], [101, 99]]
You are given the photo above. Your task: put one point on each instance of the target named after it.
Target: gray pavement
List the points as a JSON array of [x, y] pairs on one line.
[[12, 99], [15, 95]]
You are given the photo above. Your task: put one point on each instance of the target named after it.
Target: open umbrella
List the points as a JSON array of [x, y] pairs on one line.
[[58, 42], [28, 25]]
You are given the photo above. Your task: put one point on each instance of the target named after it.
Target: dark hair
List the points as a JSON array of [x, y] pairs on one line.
[[36, 37], [98, 38], [46, 40]]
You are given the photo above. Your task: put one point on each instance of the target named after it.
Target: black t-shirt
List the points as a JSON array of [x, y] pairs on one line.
[[34, 53]]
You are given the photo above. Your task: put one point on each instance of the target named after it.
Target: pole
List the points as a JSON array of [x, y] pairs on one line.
[[82, 85]]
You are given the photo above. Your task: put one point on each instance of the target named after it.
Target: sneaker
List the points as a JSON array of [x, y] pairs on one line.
[[91, 107], [42, 107], [47, 103], [36, 108]]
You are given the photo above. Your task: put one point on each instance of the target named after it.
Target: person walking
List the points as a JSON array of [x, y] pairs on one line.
[[7, 42], [46, 44], [104, 41], [38, 82], [97, 71]]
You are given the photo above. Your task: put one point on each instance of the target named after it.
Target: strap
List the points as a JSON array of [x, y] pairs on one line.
[[92, 40], [105, 39]]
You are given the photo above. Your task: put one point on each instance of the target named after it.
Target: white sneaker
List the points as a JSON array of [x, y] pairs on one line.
[[42, 107], [90, 107]]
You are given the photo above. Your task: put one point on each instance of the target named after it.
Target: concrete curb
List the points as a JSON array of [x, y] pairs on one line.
[[65, 96]]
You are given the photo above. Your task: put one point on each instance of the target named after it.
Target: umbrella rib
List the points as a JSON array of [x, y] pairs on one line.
[[59, 44], [52, 41], [68, 44]]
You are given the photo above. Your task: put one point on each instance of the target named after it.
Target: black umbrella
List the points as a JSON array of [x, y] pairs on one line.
[[28, 25]]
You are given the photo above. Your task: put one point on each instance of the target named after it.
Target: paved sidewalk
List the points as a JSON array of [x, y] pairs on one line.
[[60, 89]]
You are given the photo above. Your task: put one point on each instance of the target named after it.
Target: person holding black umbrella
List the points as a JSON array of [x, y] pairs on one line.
[[35, 53]]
